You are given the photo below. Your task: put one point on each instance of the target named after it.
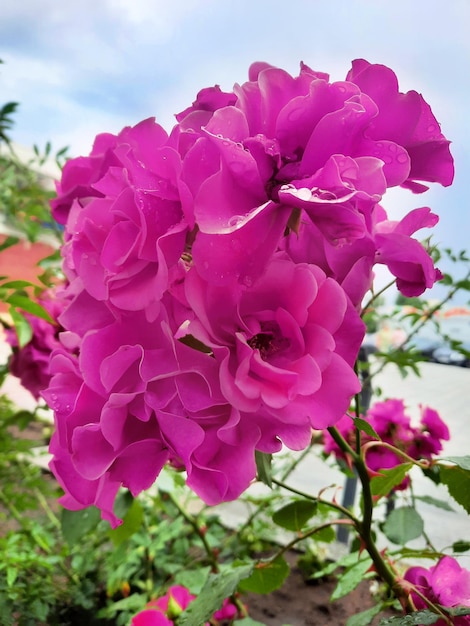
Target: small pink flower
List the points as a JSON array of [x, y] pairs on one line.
[[30, 363], [393, 426]]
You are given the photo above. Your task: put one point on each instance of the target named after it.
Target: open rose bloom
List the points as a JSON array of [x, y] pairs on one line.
[[215, 276]]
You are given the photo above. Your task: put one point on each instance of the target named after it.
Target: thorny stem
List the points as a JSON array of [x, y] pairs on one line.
[[333, 505], [364, 526], [309, 533], [199, 532], [210, 553], [397, 451], [377, 295]]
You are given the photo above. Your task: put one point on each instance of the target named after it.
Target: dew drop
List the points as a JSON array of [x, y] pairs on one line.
[[402, 157], [235, 220]]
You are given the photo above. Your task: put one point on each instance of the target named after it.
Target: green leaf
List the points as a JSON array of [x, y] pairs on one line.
[[440, 504], [12, 574], [419, 618], [458, 610], [193, 580], [366, 427], [9, 241], [461, 461], [76, 524], [365, 617], [347, 560], [130, 524], [326, 534], [403, 525], [23, 329], [247, 621], [461, 546], [123, 503], [382, 485], [351, 578], [295, 515], [133, 603], [263, 467], [17, 284], [266, 576], [26, 304], [217, 588], [457, 481]]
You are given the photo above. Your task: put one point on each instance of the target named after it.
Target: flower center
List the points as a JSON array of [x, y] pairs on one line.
[[269, 341]]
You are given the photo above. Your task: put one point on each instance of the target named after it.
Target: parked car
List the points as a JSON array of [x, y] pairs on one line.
[[451, 356], [426, 342]]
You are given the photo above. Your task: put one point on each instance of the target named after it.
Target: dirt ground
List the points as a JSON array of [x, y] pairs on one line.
[[301, 604]]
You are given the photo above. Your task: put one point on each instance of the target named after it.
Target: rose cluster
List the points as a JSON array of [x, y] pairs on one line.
[[163, 611], [215, 275], [446, 584], [393, 426]]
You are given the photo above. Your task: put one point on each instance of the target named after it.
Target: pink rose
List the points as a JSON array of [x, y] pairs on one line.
[[446, 584]]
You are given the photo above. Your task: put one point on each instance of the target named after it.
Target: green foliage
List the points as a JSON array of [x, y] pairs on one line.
[[403, 525], [24, 202], [365, 617], [419, 618], [266, 576], [352, 577], [383, 484], [263, 466], [457, 481], [294, 516], [366, 428], [6, 120], [216, 589]]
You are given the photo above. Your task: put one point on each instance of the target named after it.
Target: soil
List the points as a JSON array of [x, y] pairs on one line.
[[301, 604]]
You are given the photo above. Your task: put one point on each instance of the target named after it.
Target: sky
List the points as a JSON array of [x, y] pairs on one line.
[[81, 68]]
